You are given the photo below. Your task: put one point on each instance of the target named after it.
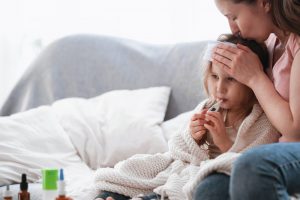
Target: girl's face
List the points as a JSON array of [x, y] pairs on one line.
[[233, 94], [251, 21]]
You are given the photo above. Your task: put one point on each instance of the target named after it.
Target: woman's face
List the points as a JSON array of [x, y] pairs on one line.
[[251, 21]]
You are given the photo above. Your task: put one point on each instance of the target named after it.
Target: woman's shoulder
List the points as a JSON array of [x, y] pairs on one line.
[[294, 43], [295, 38]]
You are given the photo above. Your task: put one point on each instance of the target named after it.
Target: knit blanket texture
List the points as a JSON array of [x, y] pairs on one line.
[[176, 173]]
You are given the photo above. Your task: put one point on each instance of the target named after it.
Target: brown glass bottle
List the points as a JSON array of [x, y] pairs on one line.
[[24, 194]]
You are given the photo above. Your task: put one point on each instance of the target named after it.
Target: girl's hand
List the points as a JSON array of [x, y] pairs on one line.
[[240, 62], [196, 126], [215, 125]]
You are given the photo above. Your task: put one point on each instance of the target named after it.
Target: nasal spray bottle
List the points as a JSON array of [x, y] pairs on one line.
[[49, 183], [61, 187]]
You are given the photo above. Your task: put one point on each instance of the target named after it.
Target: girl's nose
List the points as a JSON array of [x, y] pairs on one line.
[[221, 87]]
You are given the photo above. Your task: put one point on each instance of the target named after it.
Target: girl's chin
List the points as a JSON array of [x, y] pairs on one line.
[[224, 105]]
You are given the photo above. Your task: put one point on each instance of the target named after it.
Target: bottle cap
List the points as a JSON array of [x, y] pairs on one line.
[[61, 183], [24, 184], [50, 177], [61, 175], [7, 192]]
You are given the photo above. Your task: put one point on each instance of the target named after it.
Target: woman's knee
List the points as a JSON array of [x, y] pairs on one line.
[[213, 187], [256, 167], [111, 195], [254, 161], [253, 166]]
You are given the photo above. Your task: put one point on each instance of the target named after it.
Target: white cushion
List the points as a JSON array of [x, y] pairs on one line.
[[116, 125], [30, 141], [176, 124], [99, 131]]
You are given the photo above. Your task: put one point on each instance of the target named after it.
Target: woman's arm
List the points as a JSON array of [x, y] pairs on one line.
[[276, 108], [285, 116]]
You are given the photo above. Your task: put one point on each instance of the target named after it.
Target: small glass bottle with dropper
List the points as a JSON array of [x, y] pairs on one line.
[[24, 194], [7, 194]]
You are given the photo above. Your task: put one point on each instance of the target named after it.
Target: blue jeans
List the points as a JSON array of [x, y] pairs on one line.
[[213, 187], [266, 172], [116, 196]]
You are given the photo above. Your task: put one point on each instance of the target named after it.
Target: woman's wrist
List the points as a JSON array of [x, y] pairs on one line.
[[257, 81]]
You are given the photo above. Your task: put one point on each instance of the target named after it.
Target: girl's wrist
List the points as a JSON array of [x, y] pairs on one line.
[[225, 145]]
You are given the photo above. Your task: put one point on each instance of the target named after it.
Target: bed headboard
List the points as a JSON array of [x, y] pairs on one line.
[[88, 65]]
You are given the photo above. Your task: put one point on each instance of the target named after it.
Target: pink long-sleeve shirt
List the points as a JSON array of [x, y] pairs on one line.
[[281, 70]]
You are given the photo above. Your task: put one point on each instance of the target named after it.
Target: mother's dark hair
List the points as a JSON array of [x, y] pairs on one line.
[[285, 13]]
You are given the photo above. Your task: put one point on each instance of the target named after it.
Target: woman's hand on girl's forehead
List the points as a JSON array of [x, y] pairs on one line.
[[225, 49], [223, 55], [239, 62]]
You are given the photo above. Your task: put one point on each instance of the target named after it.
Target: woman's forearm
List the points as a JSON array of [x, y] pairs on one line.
[[276, 108]]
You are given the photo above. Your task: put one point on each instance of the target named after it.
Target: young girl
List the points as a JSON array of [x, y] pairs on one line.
[[236, 102], [238, 125]]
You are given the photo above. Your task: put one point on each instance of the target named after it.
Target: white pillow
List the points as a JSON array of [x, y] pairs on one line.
[[176, 124], [30, 141], [116, 125]]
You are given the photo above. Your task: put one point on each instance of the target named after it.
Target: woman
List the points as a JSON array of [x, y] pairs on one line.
[[270, 171]]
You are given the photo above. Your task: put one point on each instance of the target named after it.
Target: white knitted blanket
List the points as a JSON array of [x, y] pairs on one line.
[[175, 174]]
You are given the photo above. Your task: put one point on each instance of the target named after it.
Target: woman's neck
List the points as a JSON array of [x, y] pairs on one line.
[[282, 36]]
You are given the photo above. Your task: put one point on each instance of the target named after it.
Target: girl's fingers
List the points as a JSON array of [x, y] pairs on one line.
[[201, 132], [209, 127], [212, 122], [198, 128], [216, 115], [198, 135], [199, 115], [194, 117], [213, 117], [196, 123]]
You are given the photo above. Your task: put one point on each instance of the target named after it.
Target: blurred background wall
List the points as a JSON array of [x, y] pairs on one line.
[[27, 26]]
